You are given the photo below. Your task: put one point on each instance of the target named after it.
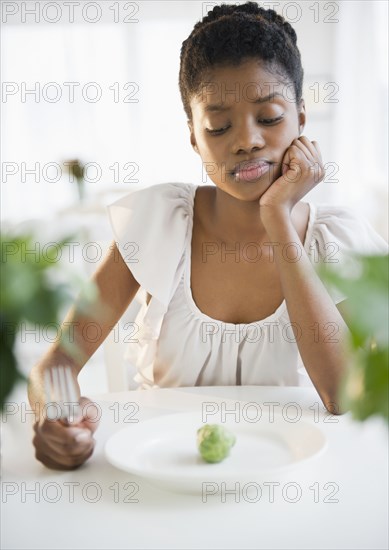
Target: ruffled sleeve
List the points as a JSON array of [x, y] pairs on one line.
[[151, 228], [338, 233]]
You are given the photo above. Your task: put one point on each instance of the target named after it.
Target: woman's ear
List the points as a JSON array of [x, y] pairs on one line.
[[192, 136], [301, 116]]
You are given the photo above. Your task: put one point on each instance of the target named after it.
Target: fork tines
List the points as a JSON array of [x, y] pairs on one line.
[[62, 394]]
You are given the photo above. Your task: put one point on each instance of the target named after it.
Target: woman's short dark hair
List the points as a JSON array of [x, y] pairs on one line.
[[231, 34]]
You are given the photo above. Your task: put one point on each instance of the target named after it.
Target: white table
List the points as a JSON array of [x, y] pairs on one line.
[[343, 493]]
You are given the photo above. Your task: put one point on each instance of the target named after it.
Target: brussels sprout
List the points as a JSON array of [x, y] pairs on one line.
[[214, 442]]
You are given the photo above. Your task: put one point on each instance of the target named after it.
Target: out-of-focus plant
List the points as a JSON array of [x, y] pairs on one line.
[[30, 292], [365, 388], [76, 170]]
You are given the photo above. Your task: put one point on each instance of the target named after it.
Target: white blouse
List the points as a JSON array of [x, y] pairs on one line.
[[179, 345]]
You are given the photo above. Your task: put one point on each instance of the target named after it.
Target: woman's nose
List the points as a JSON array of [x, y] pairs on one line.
[[248, 137]]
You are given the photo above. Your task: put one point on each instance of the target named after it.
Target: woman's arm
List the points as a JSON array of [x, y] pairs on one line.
[[116, 289], [57, 445], [319, 329], [318, 326]]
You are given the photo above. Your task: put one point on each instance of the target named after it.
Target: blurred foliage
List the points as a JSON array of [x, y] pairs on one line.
[[28, 293], [77, 172], [365, 282]]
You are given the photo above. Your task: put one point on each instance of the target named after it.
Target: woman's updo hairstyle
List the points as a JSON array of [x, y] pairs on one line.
[[231, 34]]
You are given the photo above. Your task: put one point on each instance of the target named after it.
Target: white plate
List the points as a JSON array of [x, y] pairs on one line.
[[164, 450]]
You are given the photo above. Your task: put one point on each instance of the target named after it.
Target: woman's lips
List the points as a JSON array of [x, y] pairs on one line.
[[252, 172]]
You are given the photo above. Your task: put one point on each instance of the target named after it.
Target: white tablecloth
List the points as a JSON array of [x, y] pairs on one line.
[[343, 500]]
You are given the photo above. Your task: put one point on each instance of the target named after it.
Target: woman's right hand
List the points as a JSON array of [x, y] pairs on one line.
[[65, 447]]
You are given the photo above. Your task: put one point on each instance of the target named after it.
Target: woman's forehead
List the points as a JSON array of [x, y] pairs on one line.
[[249, 81]]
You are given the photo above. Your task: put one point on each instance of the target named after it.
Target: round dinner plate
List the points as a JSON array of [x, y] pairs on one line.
[[163, 450]]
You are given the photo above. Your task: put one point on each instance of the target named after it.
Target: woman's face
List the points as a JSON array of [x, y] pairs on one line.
[[244, 113]]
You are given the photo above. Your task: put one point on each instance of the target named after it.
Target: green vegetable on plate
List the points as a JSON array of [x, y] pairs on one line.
[[214, 442]]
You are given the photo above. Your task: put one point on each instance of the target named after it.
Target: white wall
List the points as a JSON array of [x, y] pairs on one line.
[[341, 43]]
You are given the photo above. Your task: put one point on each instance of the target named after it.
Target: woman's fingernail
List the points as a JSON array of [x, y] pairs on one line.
[[82, 437]]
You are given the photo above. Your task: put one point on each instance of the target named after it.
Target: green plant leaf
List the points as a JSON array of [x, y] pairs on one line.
[[29, 294], [365, 389]]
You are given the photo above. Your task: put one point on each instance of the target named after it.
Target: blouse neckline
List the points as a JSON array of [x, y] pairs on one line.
[[187, 270]]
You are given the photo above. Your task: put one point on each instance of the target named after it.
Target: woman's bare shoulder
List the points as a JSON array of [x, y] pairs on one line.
[[203, 202]]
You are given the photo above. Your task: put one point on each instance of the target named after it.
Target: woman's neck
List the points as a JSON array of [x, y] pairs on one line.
[[221, 217], [236, 220]]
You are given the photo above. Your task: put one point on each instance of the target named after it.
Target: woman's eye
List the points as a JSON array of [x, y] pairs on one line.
[[217, 131], [266, 121], [271, 120]]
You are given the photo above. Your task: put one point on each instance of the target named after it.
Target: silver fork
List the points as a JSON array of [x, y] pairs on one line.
[[62, 394]]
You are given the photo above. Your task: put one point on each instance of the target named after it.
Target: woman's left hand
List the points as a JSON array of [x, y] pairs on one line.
[[302, 170]]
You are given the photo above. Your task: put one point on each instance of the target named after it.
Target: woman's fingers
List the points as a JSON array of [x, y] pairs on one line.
[[317, 148], [59, 462], [61, 438], [91, 414], [56, 448], [62, 446], [305, 155]]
